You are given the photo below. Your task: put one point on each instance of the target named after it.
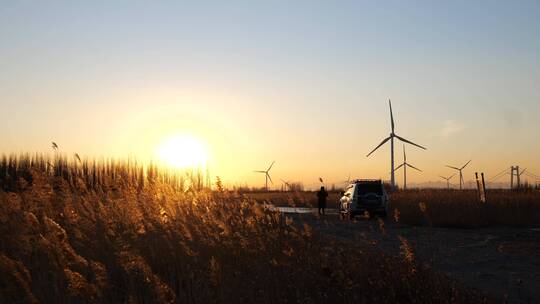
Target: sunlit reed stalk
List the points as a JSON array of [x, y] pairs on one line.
[[100, 174]]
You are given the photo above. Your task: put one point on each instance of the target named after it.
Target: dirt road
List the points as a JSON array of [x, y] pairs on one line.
[[502, 261]]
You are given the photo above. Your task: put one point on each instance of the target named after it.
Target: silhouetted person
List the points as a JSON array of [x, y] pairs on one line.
[[322, 195]]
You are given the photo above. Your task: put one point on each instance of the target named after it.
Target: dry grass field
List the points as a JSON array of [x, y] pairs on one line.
[[491, 246], [115, 232], [462, 209], [438, 207]]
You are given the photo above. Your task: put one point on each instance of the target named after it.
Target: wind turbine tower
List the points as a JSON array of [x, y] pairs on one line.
[[391, 139], [447, 180], [287, 184], [461, 181], [405, 164], [267, 175]]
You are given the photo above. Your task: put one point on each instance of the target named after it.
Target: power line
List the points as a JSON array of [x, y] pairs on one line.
[[499, 175], [495, 179], [535, 175], [532, 176]]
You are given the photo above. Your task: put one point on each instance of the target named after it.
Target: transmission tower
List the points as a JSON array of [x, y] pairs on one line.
[[514, 171]]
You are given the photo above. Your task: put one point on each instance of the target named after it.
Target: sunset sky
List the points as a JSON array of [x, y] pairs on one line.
[[304, 84]]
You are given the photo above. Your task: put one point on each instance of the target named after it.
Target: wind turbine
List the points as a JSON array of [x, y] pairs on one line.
[[286, 183], [267, 176], [405, 164], [447, 180], [461, 181], [391, 139]]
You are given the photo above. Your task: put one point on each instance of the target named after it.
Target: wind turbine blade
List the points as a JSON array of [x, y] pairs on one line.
[[409, 142], [260, 171], [453, 168], [270, 166], [411, 166], [443, 177], [391, 115], [382, 143], [269, 178], [399, 167], [404, 155], [466, 164], [451, 176]]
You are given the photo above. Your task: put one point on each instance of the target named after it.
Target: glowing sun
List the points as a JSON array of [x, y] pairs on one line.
[[182, 151]]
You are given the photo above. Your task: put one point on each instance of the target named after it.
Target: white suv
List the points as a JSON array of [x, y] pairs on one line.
[[363, 196]]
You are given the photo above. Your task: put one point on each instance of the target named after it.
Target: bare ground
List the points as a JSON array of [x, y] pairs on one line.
[[502, 262]]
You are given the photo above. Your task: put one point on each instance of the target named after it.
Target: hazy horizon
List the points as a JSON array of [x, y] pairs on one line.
[[304, 84]]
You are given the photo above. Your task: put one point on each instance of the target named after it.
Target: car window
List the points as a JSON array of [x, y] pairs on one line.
[[365, 188]]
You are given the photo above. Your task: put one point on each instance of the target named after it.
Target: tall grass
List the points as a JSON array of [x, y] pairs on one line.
[[462, 209], [293, 198], [443, 208], [116, 232], [99, 175]]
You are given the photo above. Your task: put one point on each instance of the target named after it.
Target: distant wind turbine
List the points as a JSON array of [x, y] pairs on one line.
[[447, 180], [405, 164], [286, 183], [267, 175], [391, 139], [461, 181], [54, 146]]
